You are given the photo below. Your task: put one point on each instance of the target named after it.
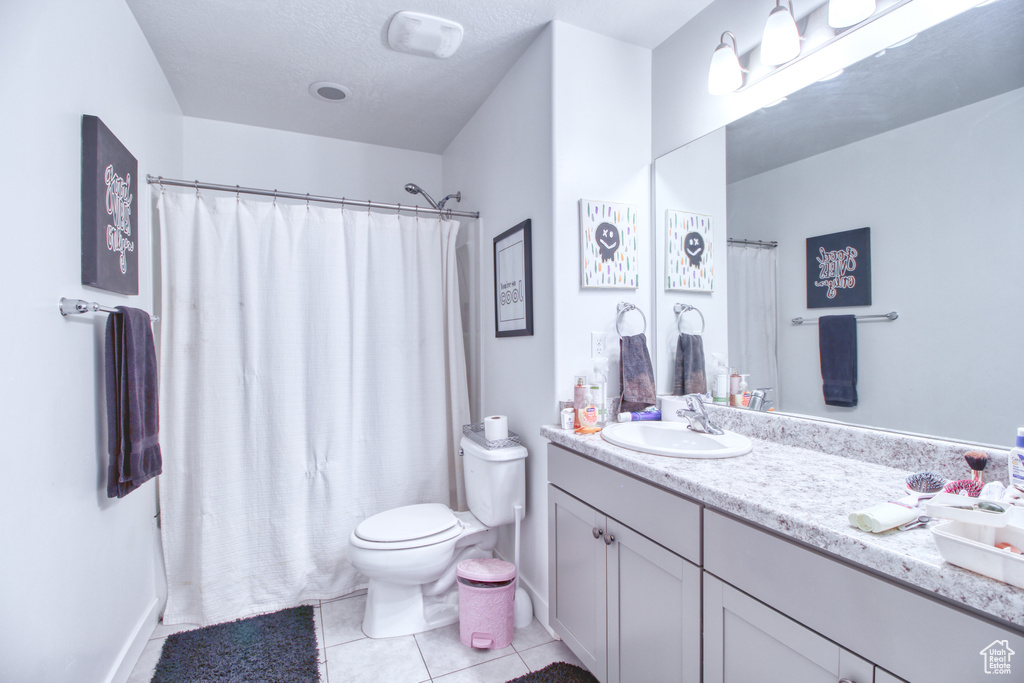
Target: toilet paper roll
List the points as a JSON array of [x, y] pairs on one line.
[[496, 427]]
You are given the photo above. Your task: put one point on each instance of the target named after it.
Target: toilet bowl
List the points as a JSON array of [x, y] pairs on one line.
[[409, 554]]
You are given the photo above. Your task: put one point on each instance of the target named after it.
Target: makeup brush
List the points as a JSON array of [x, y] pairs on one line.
[[977, 461]]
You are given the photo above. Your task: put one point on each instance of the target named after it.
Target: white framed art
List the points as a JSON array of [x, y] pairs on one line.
[[689, 252], [608, 253]]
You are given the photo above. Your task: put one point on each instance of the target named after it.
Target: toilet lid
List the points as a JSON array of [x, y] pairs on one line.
[[407, 523]]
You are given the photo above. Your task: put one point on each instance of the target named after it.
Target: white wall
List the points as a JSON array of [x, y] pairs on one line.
[[501, 160], [80, 572], [684, 111], [944, 203], [235, 154], [692, 179], [602, 151]]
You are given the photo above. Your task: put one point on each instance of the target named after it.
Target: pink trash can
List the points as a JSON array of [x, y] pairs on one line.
[[487, 593]]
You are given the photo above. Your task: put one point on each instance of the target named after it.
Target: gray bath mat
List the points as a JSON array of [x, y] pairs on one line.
[[279, 647], [559, 672]]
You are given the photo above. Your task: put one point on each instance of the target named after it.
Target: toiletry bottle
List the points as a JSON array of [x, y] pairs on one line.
[[735, 394], [599, 385], [720, 385], [1016, 464], [744, 394], [579, 397]]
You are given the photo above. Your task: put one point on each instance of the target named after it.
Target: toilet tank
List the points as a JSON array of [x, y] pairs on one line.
[[495, 481]]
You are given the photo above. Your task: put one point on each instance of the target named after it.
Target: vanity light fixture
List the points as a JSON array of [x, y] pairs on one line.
[[725, 74], [781, 40], [843, 13]]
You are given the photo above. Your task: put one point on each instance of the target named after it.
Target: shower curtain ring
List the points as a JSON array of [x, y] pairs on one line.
[[307, 201], [238, 193], [197, 188], [275, 196], [163, 190]]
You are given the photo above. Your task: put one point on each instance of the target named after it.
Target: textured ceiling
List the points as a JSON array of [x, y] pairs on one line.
[[252, 62], [966, 59]]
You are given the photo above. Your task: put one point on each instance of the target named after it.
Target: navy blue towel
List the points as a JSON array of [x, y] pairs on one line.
[[837, 346], [133, 421], [689, 368]]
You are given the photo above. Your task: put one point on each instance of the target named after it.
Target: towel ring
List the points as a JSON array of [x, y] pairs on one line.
[[625, 308], [683, 308]]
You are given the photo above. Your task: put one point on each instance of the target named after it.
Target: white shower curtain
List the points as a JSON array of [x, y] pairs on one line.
[[313, 374], [753, 336]]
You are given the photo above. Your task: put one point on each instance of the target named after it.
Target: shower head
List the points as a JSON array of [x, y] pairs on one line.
[[413, 188]]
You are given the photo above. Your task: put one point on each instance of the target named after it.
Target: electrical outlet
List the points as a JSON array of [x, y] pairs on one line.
[[596, 344]]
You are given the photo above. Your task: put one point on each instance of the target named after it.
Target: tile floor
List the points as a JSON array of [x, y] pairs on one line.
[[348, 656]]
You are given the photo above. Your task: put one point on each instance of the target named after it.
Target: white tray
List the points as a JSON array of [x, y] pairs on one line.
[[972, 547], [938, 506]]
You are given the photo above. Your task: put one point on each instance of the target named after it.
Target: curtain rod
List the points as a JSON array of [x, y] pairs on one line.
[[753, 243], [447, 213]]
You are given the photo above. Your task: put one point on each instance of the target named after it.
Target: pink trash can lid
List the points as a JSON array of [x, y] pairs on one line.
[[490, 569]]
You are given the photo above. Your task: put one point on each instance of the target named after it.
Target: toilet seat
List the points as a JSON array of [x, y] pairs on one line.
[[411, 526]]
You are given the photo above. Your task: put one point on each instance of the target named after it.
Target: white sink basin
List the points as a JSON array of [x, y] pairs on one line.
[[675, 439]]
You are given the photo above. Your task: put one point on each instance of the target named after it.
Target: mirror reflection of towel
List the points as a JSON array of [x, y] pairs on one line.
[[689, 366], [636, 374], [837, 346]]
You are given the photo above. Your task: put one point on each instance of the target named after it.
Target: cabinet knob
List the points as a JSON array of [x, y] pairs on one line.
[[598, 533], [608, 540]]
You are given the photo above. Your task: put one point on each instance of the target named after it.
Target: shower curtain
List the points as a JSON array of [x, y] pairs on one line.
[[313, 374], [753, 331]]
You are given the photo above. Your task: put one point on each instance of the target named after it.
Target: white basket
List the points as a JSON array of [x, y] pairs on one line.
[[971, 546]]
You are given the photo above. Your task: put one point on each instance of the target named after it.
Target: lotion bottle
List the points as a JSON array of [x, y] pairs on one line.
[[720, 383], [599, 388], [1016, 464]]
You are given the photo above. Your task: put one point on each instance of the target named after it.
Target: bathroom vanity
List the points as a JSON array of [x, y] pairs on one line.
[[747, 569]]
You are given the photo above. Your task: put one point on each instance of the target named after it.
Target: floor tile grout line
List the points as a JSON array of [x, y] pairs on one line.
[[323, 639], [419, 649]]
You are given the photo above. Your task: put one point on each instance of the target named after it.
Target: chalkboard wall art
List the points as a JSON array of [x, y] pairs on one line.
[[839, 269], [689, 252], [609, 245], [110, 222]]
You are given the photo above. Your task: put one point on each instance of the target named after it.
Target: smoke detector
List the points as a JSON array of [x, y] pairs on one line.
[[424, 35]]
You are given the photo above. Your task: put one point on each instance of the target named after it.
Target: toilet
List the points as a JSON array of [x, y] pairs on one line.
[[409, 553]]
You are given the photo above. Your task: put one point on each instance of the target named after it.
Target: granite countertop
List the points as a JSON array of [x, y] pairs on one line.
[[808, 495]]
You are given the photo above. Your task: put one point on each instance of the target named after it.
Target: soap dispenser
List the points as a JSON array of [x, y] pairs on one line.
[[720, 385], [599, 388]]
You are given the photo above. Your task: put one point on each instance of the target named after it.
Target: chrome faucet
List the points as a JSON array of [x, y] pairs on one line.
[[697, 415]]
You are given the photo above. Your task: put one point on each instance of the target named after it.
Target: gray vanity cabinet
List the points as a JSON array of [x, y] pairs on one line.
[[745, 640], [627, 606]]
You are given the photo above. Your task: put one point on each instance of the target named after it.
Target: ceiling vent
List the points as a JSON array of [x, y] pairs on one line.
[[424, 35], [329, 92]]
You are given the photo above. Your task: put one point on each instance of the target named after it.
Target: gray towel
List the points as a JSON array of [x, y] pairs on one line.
[[133, 421], [636, 375], [689, 370]]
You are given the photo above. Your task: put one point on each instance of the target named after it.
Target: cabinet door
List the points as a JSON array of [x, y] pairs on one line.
[[653, 611], [745, 640], [577, 578]]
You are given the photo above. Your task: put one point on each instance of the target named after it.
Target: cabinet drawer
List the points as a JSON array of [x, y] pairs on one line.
[[915, 637], [664, 517]]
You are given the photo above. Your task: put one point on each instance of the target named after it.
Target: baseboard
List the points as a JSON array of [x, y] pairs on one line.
[[540, 606], [132, 649]]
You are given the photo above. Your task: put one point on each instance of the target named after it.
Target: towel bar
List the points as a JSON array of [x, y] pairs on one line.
[[683, 308], [76, 306], [625, 308], [891, 315]]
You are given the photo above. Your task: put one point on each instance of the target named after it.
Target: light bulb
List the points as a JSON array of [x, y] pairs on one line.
[[781, 40], [843, 13], [725, 74]]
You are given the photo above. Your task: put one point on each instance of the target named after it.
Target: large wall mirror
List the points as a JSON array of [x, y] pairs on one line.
[[923, 144]]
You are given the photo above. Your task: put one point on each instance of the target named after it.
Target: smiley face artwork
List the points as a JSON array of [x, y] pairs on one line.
[[609, 245], [607, 241], [689, 252], [693, 247]]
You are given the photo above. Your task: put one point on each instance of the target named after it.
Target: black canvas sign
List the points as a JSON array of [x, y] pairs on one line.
[[839, 269], [110, 220]]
